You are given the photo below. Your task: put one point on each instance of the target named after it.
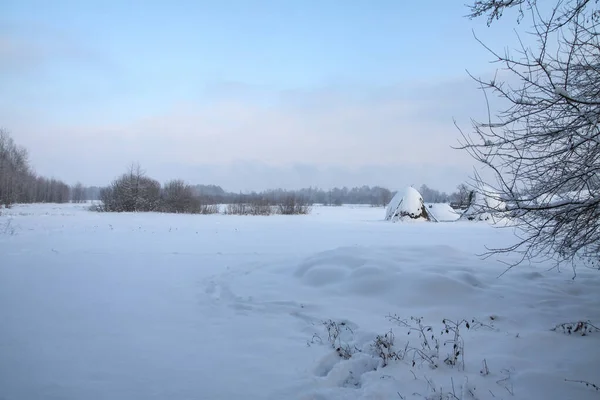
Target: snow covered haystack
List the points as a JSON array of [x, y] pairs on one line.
[[483, 201], [407, 205]]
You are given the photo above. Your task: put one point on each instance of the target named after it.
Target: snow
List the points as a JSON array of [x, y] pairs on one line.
[[485, 198], [561, 92], [442, 212], [405, 204], [157, 306]]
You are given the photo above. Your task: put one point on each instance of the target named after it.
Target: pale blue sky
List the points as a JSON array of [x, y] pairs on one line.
[[205, 86]]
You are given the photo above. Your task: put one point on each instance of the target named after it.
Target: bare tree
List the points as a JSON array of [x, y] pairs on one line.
[[132, 192], [462, 197], [78, 193], [178, 197], [260, 205], [18, 182], [432, 195], [14, 170], [544, 147], [385, 195], [293, 205]]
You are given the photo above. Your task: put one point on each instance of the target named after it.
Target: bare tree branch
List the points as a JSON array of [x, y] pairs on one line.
[[544, 147]]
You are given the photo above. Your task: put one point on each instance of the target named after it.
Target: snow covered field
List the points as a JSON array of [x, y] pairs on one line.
[[155, 306]]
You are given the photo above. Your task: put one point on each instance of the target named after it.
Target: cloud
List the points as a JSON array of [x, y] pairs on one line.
[[333, 127], [248, 137]]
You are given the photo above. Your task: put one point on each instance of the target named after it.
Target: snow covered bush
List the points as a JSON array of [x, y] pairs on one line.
[[424, 351], [335, 334], [485, 202], [131, 192], [250, 205], [136, 192], [407, 205]]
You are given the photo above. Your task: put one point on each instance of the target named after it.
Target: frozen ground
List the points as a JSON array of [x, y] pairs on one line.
[[151, 306]]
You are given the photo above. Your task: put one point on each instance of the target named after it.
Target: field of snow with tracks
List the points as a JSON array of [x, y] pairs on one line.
[[156, 306]]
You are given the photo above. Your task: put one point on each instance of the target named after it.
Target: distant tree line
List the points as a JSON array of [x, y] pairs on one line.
[[461, 198], [19, 183], [82, 194], [267, 203], [363, 195], [134, 191], [376, 196]]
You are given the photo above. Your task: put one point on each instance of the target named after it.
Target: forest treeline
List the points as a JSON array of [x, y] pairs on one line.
[[18, 181], [376, 196], [135, 191]]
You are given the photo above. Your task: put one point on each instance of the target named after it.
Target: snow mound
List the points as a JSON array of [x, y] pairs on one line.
[[435, 282], [406, 205], [442, 212], [485, 199], [397, 276]]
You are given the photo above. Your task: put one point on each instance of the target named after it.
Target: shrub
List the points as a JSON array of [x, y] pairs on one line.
[[208, 208], [253, 204], [292, 204], [178, 197], [236, 209], [132, 192], [260, 206]]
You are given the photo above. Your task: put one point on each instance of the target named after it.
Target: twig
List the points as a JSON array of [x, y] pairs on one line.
[[485, 370], [586, 383], [583, 327]]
